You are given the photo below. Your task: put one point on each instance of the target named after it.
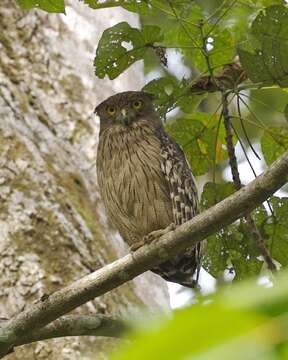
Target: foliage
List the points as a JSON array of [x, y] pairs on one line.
[[129, 45], [51, 6], [264, 54], [228, 248], [207, 38], [197, 134], [170, 93], [206, 35], [243, 321]]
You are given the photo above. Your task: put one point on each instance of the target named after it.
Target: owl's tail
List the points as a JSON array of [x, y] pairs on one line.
[[182, 269]]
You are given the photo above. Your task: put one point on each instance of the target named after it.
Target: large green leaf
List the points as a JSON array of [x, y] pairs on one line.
[[53, 6], [180, 26], [264, 55], [184, 27], [192, 330], [122, 45], [197, 133], [242, 321]]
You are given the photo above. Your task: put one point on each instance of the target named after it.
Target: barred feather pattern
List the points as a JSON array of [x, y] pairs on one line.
[[184, 196]]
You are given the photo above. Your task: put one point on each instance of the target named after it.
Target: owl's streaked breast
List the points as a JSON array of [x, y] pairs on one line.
[[133, 187]]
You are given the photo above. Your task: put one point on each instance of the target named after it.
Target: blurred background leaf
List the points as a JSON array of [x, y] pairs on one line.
[[242, 321]]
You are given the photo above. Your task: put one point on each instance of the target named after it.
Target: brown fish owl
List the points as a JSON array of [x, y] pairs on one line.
[[145, 181]]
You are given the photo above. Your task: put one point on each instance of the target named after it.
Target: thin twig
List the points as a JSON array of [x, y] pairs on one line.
[[244, 130], [251, 167], [205, 51], [215, 148], [244, 150], [252, 226]]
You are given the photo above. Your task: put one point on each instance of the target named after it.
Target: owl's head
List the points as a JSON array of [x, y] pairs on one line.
[[126, 108]]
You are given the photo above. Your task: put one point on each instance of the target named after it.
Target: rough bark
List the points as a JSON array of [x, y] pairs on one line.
[[53, 228]]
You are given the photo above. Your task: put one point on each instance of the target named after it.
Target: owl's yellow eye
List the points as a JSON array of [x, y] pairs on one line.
[[137, 104], [111, 110]]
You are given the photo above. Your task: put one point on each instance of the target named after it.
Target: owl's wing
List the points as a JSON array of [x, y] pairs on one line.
[[184, 197], [183, 189]]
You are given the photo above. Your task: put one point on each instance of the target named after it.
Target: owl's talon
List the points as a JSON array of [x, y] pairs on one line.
[[137, 245], [155, 235], [171, 227]]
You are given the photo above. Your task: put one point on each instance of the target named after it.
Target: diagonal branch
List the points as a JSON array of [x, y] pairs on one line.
[[120, 271]]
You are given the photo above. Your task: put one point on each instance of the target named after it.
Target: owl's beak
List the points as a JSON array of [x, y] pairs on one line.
[[124, 117]]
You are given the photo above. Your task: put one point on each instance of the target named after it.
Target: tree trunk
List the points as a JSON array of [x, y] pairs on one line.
[[53, 228]]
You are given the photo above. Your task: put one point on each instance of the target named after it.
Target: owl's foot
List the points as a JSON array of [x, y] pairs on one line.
[[153, 236], [137, 245]]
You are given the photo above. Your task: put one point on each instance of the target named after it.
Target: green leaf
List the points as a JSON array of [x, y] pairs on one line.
[[121, 45], [52, 6], [185, 335], [131, 5], [233, 247], [142, 7], [170, 93], [196, 133], [214, 193], [223, 47], [274, 143], [241, 321], [166, 91], [188, 102], [264, 55], [216, 257]]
